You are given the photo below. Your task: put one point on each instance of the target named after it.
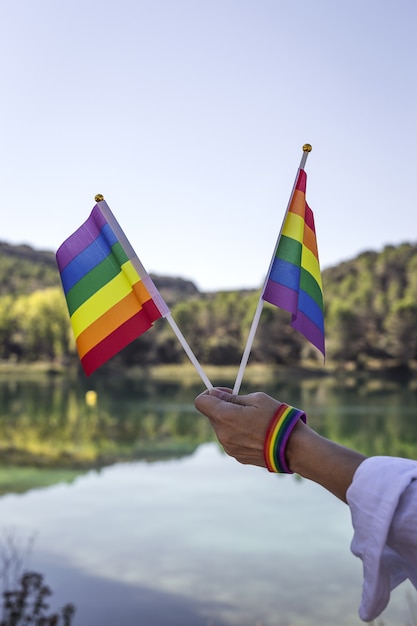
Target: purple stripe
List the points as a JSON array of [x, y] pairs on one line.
[[281, 296], [310, 331], [282, 439], [94, 254], [81, 239]]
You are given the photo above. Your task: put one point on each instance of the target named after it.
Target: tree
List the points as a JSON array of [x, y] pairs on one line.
[[401, 329], [7, 327], [347, 341], [42, 318]]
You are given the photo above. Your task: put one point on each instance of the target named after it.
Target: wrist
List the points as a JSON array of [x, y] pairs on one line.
[[278, 436], [294, 446]]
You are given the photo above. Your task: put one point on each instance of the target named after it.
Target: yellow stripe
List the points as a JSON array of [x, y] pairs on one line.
[[310, 263], [294, 227], [272, 462], [271, 456], [130, 272], [104, 299], [274, 436]]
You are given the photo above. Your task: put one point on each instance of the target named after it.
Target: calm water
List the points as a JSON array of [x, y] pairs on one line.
[[186, 535]]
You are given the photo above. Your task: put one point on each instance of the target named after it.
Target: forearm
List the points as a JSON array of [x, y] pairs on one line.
[[327, 463]]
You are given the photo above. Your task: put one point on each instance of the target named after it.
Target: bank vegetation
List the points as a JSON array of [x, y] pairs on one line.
[[370, 317]]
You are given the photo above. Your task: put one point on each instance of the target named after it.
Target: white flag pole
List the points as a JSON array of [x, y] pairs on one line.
[[245, 357], [188, 351], [248, 347], [150, 285]]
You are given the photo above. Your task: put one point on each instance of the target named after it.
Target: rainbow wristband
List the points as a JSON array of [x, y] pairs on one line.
[[277, 435]]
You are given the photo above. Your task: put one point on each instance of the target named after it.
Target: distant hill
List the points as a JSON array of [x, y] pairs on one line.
[[174, 289], [24, 270], [370, 315]]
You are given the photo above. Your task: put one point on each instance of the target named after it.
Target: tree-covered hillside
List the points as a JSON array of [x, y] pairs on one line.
[[370, 314], [371, 305], [23, 269]]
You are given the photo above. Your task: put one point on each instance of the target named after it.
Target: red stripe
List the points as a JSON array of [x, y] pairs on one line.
[[301, 181], [309, 218], [121, 337]]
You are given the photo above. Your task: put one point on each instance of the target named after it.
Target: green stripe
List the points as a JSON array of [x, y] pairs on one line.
[[309, 284], [118, 251], [289, 250], [94, 280]]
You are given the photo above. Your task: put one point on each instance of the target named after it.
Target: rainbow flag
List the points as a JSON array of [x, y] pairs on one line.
[[111, 299], [294, 280]]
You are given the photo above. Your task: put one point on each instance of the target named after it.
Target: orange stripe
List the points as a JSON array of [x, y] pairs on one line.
[[310, 240], [274, 436], [271, 435], [108, 322], [298, 203], [121, 337], [141, 292]]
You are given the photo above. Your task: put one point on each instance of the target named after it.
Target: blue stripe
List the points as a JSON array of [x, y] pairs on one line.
[[310, 308], [89, 258], [285, 273]]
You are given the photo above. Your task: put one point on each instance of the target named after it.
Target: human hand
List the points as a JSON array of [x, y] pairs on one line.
[[240, 422]]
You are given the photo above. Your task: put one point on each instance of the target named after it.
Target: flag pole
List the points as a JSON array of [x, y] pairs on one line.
[[248, 347], [245, 357], [188, 350], [150, 286]]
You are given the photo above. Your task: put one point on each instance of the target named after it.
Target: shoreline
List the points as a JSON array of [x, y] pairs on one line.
[[185, 373]]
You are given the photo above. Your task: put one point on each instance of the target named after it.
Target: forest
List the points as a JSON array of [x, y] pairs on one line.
[[370, 317]]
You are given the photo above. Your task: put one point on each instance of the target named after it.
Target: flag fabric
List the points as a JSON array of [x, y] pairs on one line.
[[294, 280], [110, 297]]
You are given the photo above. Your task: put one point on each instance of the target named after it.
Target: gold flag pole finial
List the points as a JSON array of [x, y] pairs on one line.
[[99, 197], [306, 149]]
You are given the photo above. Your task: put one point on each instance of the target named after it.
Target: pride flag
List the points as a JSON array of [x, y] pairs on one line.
[[111, 299], [294, 280]]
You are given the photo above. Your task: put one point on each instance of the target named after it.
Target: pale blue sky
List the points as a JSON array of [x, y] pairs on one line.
[[189, 117]]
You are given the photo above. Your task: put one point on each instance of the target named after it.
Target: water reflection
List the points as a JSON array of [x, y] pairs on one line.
[[48, 423], [195, 541], [373, 415], [52, 424], [191, 538]]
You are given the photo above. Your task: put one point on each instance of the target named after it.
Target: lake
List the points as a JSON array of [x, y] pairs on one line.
[[132, 512]]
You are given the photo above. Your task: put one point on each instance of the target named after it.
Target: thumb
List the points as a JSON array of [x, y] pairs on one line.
[[210, 402]]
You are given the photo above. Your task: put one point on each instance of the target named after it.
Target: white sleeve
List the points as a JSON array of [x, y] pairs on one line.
[[383, 504]]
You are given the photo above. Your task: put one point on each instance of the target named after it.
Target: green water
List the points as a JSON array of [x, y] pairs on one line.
[[47, 423], [136, 516]]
